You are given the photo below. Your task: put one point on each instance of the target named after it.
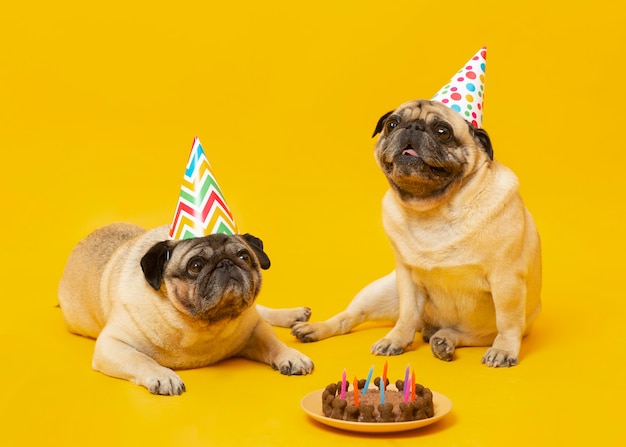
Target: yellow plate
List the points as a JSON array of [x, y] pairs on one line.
[[312, 405]]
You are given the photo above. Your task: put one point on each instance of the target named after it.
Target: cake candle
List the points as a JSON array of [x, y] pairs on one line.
[[356, 392], [385, 374], [382, 391], [343, 385], [407, 385], [413, 386], [367, 381]]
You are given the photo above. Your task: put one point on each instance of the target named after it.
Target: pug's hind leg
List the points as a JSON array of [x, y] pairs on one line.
[[284, 317], [116, 358], [378, 301], [444, 342], [264, 346]]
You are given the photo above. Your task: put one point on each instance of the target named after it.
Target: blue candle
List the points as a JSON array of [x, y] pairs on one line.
[[382, 391], [367, 381]]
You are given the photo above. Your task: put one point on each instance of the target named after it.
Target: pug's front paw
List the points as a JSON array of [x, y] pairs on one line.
[[309, 332], [296, 315], [387, 346], [165, 384], [498, 358], [293, 363]]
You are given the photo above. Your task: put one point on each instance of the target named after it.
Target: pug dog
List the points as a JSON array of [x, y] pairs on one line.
[[468, 254], [154, 305]]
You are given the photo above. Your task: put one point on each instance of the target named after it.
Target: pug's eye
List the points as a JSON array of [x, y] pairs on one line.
[[244, 256], [443, 133], [390, 125], [195, 266]]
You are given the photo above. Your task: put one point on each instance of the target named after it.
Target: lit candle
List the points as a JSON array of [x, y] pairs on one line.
[[356, 392], [343, 385], [407, 385], [413, 386], [382, 391], [385, 374], [367, 381]]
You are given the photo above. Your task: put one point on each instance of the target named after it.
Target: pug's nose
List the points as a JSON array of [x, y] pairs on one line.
[[225, 264]]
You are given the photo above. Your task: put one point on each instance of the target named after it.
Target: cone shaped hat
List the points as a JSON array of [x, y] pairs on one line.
[[201, 209], [466, 89]]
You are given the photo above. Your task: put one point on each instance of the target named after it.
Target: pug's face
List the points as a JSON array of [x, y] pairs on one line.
[[426, 149], [208, 278]]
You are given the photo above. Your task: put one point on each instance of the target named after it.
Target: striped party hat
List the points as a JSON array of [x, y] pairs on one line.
[[201, 208], [465, 91]]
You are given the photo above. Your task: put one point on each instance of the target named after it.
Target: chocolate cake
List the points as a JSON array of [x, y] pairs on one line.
[[369, 408]]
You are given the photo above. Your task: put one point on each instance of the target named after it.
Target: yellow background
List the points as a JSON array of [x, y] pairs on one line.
[[100, 101]]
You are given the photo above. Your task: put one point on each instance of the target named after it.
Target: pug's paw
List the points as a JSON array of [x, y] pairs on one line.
[[293, 363], [165, 384], [295, 315], [498, 358], [284, 317], [308, 332], [387, 346], [442, 348]]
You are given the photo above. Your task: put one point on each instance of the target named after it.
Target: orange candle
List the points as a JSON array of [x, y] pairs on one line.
[[356, 392], [385, 375], [413, 386]]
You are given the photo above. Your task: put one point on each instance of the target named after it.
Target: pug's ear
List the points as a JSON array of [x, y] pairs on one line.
[[257, 245], [153, 263], [483, 138], [381, 124]]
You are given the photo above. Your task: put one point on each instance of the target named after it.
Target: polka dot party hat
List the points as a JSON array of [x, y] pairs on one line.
[[466, 90]]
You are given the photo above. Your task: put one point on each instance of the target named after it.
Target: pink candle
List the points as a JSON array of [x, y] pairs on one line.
[[343, 385], [413, 386], [407, 385]]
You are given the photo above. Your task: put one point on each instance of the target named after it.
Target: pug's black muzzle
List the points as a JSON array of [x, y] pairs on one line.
[[414, 150], [226, 270]]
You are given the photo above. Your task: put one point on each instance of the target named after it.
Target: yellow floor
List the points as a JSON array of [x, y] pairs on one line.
[[98, 109]]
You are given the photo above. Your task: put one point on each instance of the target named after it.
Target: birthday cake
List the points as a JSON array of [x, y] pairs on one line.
[[394, 405]]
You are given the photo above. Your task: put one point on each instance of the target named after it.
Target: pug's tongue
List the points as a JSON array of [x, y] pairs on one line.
[[410, 152]]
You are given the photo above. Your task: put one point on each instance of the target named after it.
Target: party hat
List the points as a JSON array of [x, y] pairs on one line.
[[466, 90], [201, 208]]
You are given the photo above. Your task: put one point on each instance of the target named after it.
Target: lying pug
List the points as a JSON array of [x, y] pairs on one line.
[[468, 255], [153, 304]]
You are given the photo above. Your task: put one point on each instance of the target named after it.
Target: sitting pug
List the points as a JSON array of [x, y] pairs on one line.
[[155, 304], [468, 255]]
